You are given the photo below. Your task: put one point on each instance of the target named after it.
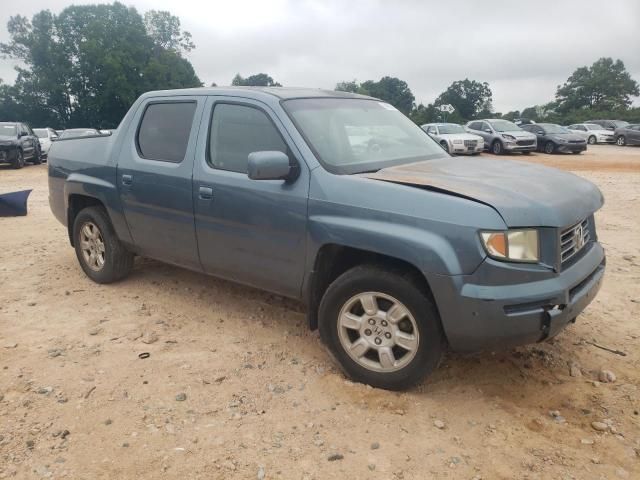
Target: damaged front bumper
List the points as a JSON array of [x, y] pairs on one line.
[[494, 309]]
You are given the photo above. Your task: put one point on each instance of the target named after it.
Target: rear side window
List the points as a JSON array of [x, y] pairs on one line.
[[164, 131], [238, 130]]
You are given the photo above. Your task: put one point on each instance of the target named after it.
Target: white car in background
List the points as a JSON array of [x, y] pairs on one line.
[[593, 133], [45, 136], [454, 138]]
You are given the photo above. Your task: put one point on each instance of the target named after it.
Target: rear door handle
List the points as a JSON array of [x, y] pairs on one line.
[[205, 193], [127, 179]]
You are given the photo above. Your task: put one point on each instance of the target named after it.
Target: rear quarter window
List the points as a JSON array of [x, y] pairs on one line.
[[164, 131]]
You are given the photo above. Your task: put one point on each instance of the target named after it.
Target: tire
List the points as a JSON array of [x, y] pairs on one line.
[[592, 140], [356, 350], [496, 147], [18, 162], [621, 141], [445, 146], [549, 148], [37, 158], [111, 260]]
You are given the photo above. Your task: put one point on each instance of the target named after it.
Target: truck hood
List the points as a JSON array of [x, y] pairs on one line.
[[524, 194]]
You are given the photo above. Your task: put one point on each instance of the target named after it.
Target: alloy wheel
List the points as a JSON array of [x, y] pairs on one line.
[[378, 332], [92, 246]]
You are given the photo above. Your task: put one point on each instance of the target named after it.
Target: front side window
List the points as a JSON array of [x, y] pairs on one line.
[[164, 131], [238, 130], [350, 135]]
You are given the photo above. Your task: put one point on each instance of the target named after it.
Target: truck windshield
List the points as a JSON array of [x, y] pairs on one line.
[[350, 135]]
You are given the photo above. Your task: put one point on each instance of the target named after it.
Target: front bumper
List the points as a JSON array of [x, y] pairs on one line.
[[490, 310], [571, 147], [7, 153], [461, 149], [514, 147]]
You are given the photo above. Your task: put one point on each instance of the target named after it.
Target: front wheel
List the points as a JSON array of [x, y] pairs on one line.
[[592, 140], [496, 147], [549, 147], [18, 161], [621, 141], [37, 157], [101, 254], [382, 329]]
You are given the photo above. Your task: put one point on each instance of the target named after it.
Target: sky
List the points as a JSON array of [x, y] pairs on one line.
[[524, 49]]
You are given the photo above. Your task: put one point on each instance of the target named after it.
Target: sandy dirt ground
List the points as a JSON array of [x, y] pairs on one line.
[[236, 386]]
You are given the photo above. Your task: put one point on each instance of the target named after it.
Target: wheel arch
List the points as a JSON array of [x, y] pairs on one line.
[[332, 260]]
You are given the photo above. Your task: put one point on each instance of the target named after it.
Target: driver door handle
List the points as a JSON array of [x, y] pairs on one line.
[[205, 193]]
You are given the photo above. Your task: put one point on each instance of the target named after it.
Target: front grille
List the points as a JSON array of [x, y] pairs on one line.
[[573, 240], [576, 141], [525, 143], [470, 143]]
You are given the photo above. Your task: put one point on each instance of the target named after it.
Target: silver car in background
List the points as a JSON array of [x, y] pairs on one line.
[[593, 133], [502, 136], [454, 138]]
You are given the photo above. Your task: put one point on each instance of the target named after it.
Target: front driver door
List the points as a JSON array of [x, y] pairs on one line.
[[250, 231]]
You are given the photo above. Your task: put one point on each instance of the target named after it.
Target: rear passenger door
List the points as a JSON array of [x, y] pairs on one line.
[[250, 231], [154, 176]]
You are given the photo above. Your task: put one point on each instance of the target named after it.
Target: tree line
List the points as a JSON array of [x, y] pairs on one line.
[[85, 67]]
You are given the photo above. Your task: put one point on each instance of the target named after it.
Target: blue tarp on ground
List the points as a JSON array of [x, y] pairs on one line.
[[14, 204]]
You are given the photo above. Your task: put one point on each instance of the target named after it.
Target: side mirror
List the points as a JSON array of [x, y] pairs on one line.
[[268, 165], [488, 130]]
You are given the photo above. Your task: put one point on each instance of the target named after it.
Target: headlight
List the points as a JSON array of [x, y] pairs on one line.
[[512, 245], [457, 142], [508, 137]]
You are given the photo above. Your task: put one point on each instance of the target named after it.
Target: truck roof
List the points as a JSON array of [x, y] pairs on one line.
[[258, 92]]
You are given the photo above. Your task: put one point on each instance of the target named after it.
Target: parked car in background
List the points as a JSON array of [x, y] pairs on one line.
[[554, 138], [592, 133], [79, 132], [628, 135], [454, 138], [398, 250], [609, 124], [18, 144], [502, 136], [45, 136]]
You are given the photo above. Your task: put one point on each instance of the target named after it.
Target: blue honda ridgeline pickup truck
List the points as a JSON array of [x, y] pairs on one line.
[[397, 249]]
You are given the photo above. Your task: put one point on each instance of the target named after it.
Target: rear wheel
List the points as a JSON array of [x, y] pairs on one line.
[[549, 147], [101, 254], [382, 329], [18, 161], [496, 147], [621, 141], [592, 140]]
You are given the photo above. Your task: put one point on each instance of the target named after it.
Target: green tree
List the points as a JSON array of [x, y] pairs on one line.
[[469, 98], [605, 85], [164, 30], [392, 90], [257, 80], [87, 65], [352, 87]]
